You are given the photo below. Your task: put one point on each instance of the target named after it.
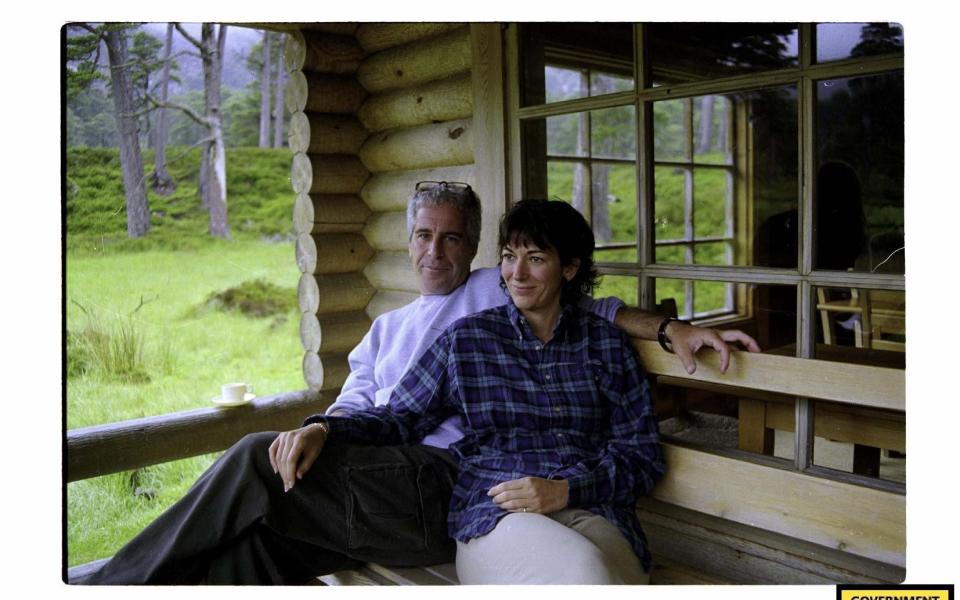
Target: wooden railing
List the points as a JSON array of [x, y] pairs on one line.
[[104, 449]]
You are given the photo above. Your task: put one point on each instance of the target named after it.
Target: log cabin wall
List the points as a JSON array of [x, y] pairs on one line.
[[374, 108]]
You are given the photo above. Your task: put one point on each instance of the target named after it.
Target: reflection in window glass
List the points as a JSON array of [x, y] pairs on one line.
[[859, 191], [687, 52], [837, 41], [621, 286], [865, 441], [861, 325], [563, 61]]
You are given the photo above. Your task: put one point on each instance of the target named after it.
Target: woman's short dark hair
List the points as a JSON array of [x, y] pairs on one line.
[[553, 224]]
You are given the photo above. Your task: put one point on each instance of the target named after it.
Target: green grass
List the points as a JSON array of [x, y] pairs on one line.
[[155, 325], [188, 346]]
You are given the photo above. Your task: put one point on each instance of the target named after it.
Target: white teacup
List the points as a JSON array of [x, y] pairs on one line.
[[234, 392]]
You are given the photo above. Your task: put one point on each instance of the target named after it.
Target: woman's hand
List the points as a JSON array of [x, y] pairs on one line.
[[531, 494], [294, 452]]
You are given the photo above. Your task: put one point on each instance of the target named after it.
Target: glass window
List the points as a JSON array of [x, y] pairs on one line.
[[688, 52], [859, 187], [726, 170], [564, 61], [860, 325], [621, 286], [838, 41], [589, 160]]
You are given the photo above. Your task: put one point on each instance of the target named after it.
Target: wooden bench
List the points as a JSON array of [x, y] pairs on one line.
[[715, 518]]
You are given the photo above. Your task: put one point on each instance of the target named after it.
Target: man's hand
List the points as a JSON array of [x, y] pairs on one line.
[[534, 494], [687, 339], [294, 452]]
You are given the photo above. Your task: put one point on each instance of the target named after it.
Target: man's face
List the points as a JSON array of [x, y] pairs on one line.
[[439, 249]]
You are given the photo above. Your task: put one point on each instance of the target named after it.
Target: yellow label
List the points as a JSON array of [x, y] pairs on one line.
[[895, 594]]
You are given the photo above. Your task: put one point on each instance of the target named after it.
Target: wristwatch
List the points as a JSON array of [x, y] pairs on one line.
[[662, 332]]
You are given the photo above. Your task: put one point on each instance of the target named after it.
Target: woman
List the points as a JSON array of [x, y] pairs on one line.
[[560, 439]]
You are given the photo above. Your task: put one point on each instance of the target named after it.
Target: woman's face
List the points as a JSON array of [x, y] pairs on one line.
[[534, 276]]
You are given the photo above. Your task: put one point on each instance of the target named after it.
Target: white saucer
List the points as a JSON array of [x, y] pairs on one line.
[[219, 401]]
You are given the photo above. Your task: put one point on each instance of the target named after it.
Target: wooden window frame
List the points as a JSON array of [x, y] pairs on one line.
[[805, 279]]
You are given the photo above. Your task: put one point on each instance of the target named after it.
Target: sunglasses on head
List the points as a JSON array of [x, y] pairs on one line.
[[453, 187]]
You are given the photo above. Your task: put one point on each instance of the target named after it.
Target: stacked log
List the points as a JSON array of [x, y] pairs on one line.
[[375, 108], [418, 109], [323, 97]]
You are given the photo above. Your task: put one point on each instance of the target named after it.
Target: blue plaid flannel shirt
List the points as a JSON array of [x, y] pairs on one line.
[[576, 408]]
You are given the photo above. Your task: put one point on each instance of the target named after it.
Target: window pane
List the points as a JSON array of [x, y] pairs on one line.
[[711, 254], [674, 255], [712, 120], [567, 135], [614, 203], [686, 52], [670, 131], [561, 61], [619, 255], [623, 287], [613, 133], [669, 199], [859, 191], [561, 178], [862, 326], [837, 41], [773, 118], [712, 297], [865, 441], [712, 193], [565, 84]]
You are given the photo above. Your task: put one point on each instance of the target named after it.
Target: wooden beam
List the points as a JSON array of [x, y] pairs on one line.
[[390, 190], [854, 519], [392, 271], [490, 131], [104, 449], [435, 145], [718, 548], [846, 383], [374, 37], [417, 62], [437, 101]]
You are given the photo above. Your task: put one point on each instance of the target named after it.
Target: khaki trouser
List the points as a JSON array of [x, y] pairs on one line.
[[571, 546]]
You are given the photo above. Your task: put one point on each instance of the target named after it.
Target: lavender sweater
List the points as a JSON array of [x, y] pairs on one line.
[[398, 338]]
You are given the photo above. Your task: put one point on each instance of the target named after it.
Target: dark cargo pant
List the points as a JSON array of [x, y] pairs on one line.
[[236, 525]]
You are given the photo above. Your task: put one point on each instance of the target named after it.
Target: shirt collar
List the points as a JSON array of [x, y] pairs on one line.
[[522, 328]]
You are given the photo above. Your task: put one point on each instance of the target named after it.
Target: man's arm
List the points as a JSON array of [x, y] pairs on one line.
[[686, 339]]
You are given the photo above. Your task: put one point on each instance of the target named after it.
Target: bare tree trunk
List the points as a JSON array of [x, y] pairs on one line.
[[706, 124], [265, 91], [163, 184], [278, 98], [581, 173], [215, 188], [131, 161]]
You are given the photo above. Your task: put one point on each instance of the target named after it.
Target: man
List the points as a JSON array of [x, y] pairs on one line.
[[242, 524]]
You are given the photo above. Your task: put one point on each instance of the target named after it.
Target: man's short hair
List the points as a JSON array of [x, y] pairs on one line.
[[461, 197], [553, 224]]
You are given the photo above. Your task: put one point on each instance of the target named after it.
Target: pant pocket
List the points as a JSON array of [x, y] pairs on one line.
[[384, 509]]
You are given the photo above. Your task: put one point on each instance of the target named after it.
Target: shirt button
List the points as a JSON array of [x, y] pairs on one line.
[[560, 435], [548, 378], [538, 347]]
